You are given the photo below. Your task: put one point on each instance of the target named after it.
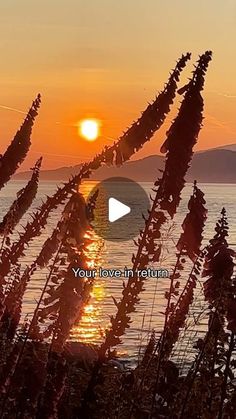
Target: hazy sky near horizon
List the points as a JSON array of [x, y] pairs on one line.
[[106, 59]]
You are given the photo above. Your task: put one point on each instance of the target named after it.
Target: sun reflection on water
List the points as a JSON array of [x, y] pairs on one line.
[[88, 328]]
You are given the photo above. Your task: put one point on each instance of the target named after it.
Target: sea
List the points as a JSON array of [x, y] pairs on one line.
[[116, 255]]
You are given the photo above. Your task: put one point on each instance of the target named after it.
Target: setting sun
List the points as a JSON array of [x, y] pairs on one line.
[[89, 129]]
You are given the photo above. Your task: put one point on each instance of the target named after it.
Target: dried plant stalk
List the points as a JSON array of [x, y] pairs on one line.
[[215, 350], [181, 139], [188, 246], [19, 147], [23, 202], [12, 303]]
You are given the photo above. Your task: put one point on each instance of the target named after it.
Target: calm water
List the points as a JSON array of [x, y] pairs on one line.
[[117, 255]]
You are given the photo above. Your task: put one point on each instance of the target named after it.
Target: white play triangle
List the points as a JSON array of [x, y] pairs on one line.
[[116, 210]]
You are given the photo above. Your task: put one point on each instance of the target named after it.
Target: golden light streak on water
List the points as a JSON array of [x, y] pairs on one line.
[[89, 330]]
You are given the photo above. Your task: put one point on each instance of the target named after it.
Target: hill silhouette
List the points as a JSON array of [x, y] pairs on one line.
[[215, 165]]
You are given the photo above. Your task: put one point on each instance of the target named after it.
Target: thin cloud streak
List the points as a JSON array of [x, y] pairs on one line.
[[8, 108], [219, 124], [226, 95]]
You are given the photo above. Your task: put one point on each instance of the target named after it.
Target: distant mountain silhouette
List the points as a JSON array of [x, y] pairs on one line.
[[231, 147], [211, 166]]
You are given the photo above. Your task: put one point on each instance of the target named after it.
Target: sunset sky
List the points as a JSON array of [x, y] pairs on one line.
[[106, 59]]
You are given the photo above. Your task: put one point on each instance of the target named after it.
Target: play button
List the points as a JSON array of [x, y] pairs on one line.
[[116, 210], [120, 206]]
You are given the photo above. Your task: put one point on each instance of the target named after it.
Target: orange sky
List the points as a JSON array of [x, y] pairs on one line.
[[107, 59]]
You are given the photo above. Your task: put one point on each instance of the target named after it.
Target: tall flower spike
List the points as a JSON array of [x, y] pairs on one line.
[[215, 350], [19, 147], [189, 245], [176, 313], [12, 303], [182, 136], [65, 293], [22, 203], [219, 265]]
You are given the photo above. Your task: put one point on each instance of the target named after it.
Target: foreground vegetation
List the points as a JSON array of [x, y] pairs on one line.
[[43, 374]]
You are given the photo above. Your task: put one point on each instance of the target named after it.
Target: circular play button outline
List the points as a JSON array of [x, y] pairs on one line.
[[120, 206]]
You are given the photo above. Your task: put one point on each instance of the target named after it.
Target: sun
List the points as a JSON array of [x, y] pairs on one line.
[[89, 129]]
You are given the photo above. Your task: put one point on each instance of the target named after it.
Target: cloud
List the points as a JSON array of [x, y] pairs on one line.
[[226, 95], [8, 108], [219, 124]]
